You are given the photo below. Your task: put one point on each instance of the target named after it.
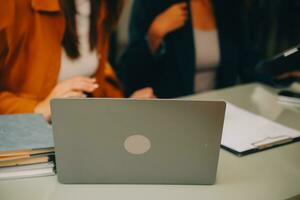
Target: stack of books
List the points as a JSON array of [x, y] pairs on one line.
[[26, 147]]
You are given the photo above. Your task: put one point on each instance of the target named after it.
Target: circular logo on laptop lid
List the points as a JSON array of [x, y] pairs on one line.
[[137, 144]]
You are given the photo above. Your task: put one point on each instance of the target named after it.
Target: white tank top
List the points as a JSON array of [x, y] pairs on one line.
[[207, 53], [87, 63]]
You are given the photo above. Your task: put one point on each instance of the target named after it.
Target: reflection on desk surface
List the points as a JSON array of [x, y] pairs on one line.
[[294, 198], [259, 99]]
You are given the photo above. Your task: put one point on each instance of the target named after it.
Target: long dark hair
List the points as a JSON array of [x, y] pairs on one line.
[[70, 41]]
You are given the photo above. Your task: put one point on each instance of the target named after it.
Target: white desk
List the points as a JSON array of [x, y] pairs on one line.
[[272, 174]]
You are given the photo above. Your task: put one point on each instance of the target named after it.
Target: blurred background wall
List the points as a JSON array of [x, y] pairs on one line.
[[272, 25]]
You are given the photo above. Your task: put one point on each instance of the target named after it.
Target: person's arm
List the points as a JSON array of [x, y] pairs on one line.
[[146, 47], [10, 102], [137, 62], [111, 87], [13, 103], [166, 22], [292, 74]]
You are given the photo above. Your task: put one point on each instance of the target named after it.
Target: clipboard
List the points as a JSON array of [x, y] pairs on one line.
[[245, 133], [256, 150]]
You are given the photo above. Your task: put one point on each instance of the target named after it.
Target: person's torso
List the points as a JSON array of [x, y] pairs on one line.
[[31, 64], [180, 56], [87, 63]]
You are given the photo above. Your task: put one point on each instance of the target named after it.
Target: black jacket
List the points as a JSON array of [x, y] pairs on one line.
[[172, 73]]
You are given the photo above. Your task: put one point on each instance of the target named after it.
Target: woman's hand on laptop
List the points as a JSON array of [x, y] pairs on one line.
[[75, 87], [145, 93]]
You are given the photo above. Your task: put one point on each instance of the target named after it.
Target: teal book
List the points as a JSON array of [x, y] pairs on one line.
[[24, 131]]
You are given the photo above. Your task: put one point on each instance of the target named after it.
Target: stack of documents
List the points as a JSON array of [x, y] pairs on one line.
[[26, 147], [245, 132]]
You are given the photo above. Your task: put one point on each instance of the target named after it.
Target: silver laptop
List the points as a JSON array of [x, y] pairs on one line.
[[126, 141]]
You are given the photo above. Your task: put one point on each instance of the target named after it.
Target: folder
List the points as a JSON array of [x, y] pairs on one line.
[[25, 161], [24, 132], [245, 132], [18, 154]]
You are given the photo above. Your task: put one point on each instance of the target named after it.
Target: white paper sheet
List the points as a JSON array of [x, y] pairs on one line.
[[244, 130]]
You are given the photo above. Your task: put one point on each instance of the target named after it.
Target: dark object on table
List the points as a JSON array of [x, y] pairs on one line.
[[269, 70]]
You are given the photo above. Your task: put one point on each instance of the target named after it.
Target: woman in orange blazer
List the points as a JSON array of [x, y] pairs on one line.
[[56, 49]]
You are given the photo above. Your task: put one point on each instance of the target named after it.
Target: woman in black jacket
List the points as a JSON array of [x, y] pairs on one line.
[[181, 47]]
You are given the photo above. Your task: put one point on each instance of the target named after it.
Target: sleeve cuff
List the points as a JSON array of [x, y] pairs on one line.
[[160, 51]]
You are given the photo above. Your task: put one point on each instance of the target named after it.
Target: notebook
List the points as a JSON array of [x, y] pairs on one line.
[[245, 132], [25, 161], [24, 132]]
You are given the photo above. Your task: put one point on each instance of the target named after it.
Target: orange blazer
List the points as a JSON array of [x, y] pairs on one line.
[[31, 33]]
